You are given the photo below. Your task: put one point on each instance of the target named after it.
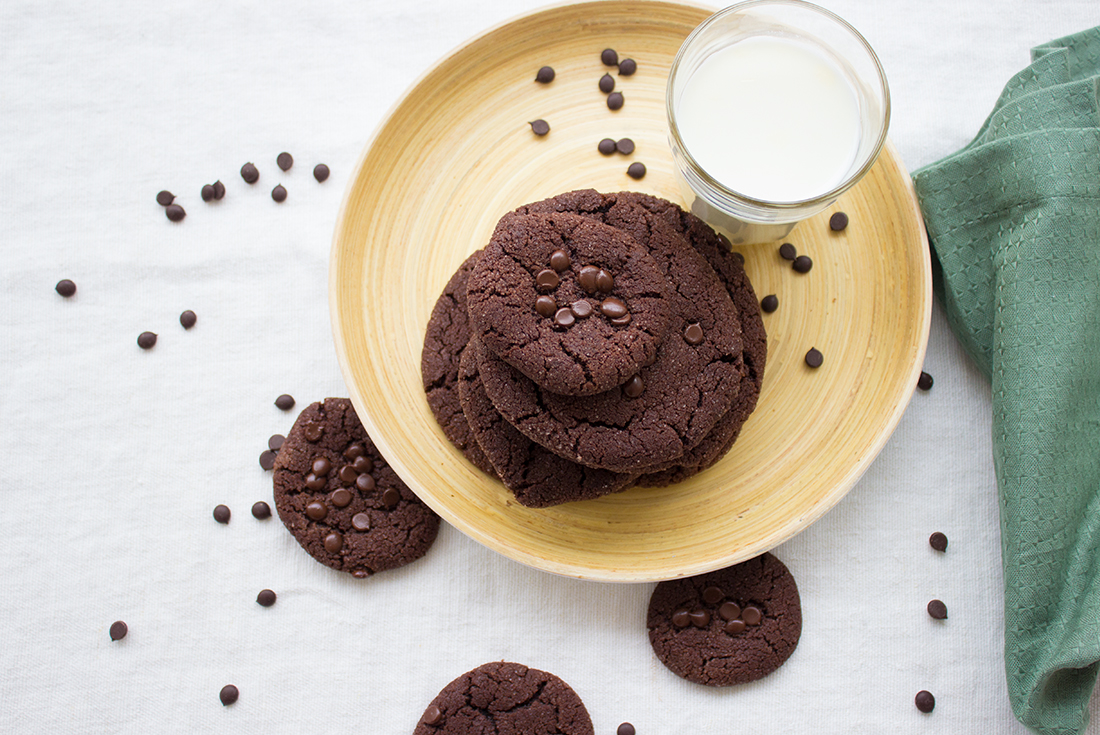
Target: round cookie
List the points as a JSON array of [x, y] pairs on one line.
[[444, 341], [668, 407], [342, 501], [573, 304], [727, 627], [537, 477], [506, 699]]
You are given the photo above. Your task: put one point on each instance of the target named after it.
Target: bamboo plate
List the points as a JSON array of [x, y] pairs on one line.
[[457, 152]]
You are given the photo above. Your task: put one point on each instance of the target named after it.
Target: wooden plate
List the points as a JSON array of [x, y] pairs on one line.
[[457, 152]]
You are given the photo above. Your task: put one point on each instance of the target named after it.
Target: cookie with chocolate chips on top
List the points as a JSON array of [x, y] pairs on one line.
[[342, 501]]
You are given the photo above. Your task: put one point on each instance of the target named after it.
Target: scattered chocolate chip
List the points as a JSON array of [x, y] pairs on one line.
[[219, 190], [609, 57], [752, 615], [802, 264], [838, 222], [275, 442], [612, 307], [333, 543], [317, 510], [285, 402], [207, 192], [769, 303], [222, 513], [636, 170], [937, 609], [546, 306], [320, 172], [175, 212], [360, 522], [279, 194], [188, 319], [362, 464], [267, 459], [681, 618], [633, 387], [925, 701], [348, 473], [924, 382], [564, 317], [146, 340], [341, 498], [391, 497], [250, 173], [314, 431], [65, 287], [581, 308], [539, 127], [627, 67], [546, 280], [587, 278], [229, 694], [353, 452], [266, 598], [938, 541], [787, 251], [164, 198], [700, 618], [559, 260], [730, 611], [713, 595], [606, 146], [118, 630], [735, 626], [365, 483], [432, 715], [604, 281], [625, 146], [261, 510], [545, 75], [284, 161], [693, 335], [615, 101], [607, 83], [814, 358]]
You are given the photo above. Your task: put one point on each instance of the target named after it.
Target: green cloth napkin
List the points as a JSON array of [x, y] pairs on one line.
[[1014, 222]]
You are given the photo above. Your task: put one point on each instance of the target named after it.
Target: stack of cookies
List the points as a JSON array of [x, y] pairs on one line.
[[597, 342]]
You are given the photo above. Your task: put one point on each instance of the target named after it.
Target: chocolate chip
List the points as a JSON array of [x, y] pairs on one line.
[[188, 319], [275, 442], [390, 498], [924, 382], [612, 307], [609, 57], [321, 466], [65, 287], [164, 198], [545, 75], [284, 161], [354, 451], [730, 611], [636, 170], [118, 630], [625, 146], [814, 358], [432, 716], [838, 222], [320, 172], [267, 459], [175, 213], [229, 694], [615, 101], [539, 127], [222, 513], [621, 321], [279, 194], [559, 260], [564, 317], [925, 701], [362, 464], [587, 278], [735, 626], [627, 67], [250, 173], [606, 146], [348, 474], [700, 618], [787, 251], [365, 483], [713, 595], [607, 83], [802, 264], [769, 303], [147, 340], [693, 334], [266, 598], [546, 280], [207, 192], [219, 190], [937, 609], [360, 522], [581, 309], [314, 431], [313, 482], [341, 498], [333, 543], [261, 510], [633, 387], [317, 510], [625, 729], [752, 615], [938, 541], [681, 618], [546, 306], [285, 402]]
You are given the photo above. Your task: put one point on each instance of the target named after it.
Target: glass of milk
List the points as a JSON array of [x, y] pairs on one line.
[[775, 108]]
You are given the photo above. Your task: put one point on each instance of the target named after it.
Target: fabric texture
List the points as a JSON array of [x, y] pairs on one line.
[[1014, 222]]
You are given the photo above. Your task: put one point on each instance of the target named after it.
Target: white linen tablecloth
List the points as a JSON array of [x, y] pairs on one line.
[[116, 456]]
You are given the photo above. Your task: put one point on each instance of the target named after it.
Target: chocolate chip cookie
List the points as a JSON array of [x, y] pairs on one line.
[[342, 501], [502, 697], [573, 304]]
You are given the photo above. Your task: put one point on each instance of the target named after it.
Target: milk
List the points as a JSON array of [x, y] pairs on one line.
[[772, 118]]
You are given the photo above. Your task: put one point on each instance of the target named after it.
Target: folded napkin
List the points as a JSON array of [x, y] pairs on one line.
[[1014, 222]]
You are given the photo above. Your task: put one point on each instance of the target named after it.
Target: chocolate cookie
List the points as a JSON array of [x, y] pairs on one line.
[[505, 698], [668, 407], [727, 627], [573, 304], [445, 339], [537, 477], [341, 501]]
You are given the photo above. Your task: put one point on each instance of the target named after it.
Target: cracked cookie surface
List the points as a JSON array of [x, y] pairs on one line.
[[340, 499], [574, 304], [727, 627], [502, 698]]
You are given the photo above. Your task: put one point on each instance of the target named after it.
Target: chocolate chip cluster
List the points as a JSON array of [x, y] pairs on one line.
[[592, 279], [737, 618]]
